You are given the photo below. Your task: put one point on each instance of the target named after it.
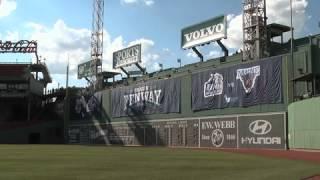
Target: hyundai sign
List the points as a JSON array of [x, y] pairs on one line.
[[205, 32], [127, 56], [262, 131]]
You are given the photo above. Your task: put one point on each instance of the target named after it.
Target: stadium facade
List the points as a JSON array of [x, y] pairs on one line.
[[227, 102], [27, 114], [218, 103]]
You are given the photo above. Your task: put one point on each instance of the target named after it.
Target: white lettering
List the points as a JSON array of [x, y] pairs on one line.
[[261, 140], [218, 125], [204, 137], [219, 28], [142, 96], [188, 37], [126, 56], [196, 35], [157, 94], [210, 29], [204, 32]]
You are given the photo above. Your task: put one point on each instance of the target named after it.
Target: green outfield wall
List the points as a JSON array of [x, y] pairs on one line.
[[200, 122], [304, 124]]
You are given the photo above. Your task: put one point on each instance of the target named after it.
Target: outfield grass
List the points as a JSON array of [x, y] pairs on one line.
[[61, 162]]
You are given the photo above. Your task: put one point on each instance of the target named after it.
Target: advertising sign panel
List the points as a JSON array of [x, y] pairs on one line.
[[86, 69], [218, 132], [127, 56], [263, 131], [205, 32]]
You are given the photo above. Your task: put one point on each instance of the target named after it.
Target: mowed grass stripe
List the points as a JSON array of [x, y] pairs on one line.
[[66, 162]]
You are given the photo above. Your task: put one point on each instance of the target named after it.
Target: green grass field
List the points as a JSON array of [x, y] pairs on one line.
[[62, 162]]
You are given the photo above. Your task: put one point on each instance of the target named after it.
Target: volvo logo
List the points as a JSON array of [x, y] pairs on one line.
[[217, 138], [260, 127]]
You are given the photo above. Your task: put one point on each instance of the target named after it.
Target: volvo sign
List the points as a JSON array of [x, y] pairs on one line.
[[208, 31]]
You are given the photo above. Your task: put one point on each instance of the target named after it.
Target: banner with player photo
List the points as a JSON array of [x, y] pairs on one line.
[[238, 86], [152, 97], [86, 106]]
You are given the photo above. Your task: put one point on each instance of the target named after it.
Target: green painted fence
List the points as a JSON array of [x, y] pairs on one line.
[[304, 124]]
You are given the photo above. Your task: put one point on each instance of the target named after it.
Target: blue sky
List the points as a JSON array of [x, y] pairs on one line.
[[62, 28]]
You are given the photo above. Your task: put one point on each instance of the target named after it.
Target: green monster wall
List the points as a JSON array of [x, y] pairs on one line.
[[304, 124]]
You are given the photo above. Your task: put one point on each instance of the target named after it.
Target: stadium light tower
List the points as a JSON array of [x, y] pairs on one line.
[[97, 37], [254, 30]]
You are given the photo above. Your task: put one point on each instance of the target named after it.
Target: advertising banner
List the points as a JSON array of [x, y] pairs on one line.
[[86, 69], [161, 96], [263, 131], [241, 85], [86, 106], [218, 132], [127, 56], [205, 32]]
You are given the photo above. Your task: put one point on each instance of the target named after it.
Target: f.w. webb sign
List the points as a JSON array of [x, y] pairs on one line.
[[205, 32]]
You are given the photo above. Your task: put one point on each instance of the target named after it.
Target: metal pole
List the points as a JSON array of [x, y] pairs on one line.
[[292, 61], [67, 78], [66, 106]]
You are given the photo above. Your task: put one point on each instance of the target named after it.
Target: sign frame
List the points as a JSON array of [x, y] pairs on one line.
[[202, 32], [88, 69], [134, 59]]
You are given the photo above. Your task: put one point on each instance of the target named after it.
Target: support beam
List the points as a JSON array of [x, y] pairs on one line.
[[89, 81], [143, 70], [198, 53], [225, 50], [123, 70]]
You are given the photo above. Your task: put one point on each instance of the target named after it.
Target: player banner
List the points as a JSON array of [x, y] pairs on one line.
[[86, 106], [161, 96], [238, 86]]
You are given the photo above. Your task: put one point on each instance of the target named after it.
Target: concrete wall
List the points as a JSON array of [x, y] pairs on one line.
[[50, 132]]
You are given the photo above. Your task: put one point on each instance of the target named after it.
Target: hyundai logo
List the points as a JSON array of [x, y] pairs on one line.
[[260, 127]]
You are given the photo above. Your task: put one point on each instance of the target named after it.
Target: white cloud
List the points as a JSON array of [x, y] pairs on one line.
[[7, 7], [60, 41], [278, 11], [167, 50], [145, 2], [191, 54], [12, 36], [149, 2], [156, 66], [129, 1], [214, 53], [234, 31]]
